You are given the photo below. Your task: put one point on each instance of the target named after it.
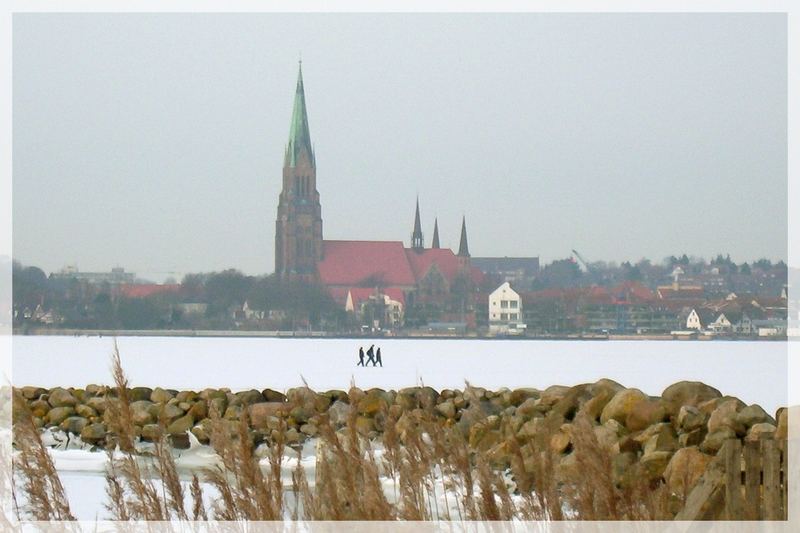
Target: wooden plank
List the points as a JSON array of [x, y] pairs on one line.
[[772, 470], [784, 448], [732, 451], [700, 501], [752, 480]]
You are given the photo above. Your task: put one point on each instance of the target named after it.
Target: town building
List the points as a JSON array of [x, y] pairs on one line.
[[433, 277], [116, 276], [505, 310]]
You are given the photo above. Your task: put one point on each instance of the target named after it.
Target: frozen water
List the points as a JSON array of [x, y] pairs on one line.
[[754, 371]]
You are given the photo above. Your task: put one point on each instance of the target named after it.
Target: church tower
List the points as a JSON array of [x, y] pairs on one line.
[[417, 242], [298, 229]]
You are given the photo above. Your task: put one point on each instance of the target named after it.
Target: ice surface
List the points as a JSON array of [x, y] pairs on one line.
[[756, 372]]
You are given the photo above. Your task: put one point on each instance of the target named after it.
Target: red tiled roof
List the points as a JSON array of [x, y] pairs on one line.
[[145, 290], [354, 263], [444, 259], [632, 292], [683, 292]]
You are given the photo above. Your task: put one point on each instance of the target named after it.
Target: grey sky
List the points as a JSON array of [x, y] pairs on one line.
[[155, 142]]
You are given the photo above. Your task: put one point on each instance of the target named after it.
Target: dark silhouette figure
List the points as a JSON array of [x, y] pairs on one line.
[[378, 360], [360, 356], [371, 355]]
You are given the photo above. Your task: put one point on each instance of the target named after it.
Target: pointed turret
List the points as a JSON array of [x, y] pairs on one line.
[[463, 249], [417, 242], [299, 134], [435, 243]]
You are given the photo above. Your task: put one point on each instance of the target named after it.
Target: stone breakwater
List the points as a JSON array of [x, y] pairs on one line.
[[672, 436]]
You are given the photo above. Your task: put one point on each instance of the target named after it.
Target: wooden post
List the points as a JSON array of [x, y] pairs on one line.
[[752, 480], [772, 481], [784, 449], [732, 450]]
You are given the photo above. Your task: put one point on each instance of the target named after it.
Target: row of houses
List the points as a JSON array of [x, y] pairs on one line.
[[631, 307]]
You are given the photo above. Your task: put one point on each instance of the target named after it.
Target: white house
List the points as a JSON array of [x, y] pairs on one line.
[[505, 310], [693, 321], [721, 324]]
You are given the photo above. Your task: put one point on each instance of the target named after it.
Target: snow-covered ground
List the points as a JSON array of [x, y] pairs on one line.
[[756, 372]]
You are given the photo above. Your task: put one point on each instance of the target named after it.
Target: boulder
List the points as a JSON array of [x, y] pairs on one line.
[[233, 412], [250, 397], [39, 408], [690, 418], [56, 415], [685, 468], [73, 424], [644, 414], [526, 409], [273, 395], [338, 413], [85, 411], [761, 431], [687, 393], [692, 438], [151, 432], [302, 396], [259, 412], [32, 393], [606, 437], [301, 414], [181, 425], [753, 414], [714, 440], [97, 403], [160, 395], [139, 393], [560, 442], [59, 397], [447, 409], [95, 390], [725, 415], [186, 396], [551, 395], [142, 413], [569, 404], [517, 396], [170, 412], [372, 403], [93, 433], [622, 404], [593, 408], [654, 464], [198, 410]]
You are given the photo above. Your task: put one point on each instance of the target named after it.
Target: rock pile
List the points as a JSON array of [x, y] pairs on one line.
[[672, 437]]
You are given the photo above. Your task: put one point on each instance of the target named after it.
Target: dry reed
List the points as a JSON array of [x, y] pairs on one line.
[[435, 473]]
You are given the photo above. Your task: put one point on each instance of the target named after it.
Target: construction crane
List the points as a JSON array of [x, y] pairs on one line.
[[582, 260]]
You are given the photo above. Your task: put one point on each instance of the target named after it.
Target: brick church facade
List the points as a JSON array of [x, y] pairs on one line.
[[348, 267]]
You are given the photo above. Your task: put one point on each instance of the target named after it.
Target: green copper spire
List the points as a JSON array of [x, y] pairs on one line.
[[299, 135]]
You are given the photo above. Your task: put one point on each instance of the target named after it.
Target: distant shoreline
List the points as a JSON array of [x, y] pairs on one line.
[[329, 335]]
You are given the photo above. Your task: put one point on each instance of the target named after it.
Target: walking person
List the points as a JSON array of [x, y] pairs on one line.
[[360, 356], [371, 355], [378, 360]]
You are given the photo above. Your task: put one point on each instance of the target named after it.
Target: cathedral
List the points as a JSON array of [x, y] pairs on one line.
[[348, 268]]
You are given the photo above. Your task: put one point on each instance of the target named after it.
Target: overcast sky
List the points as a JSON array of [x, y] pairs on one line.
[[155, 142]]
